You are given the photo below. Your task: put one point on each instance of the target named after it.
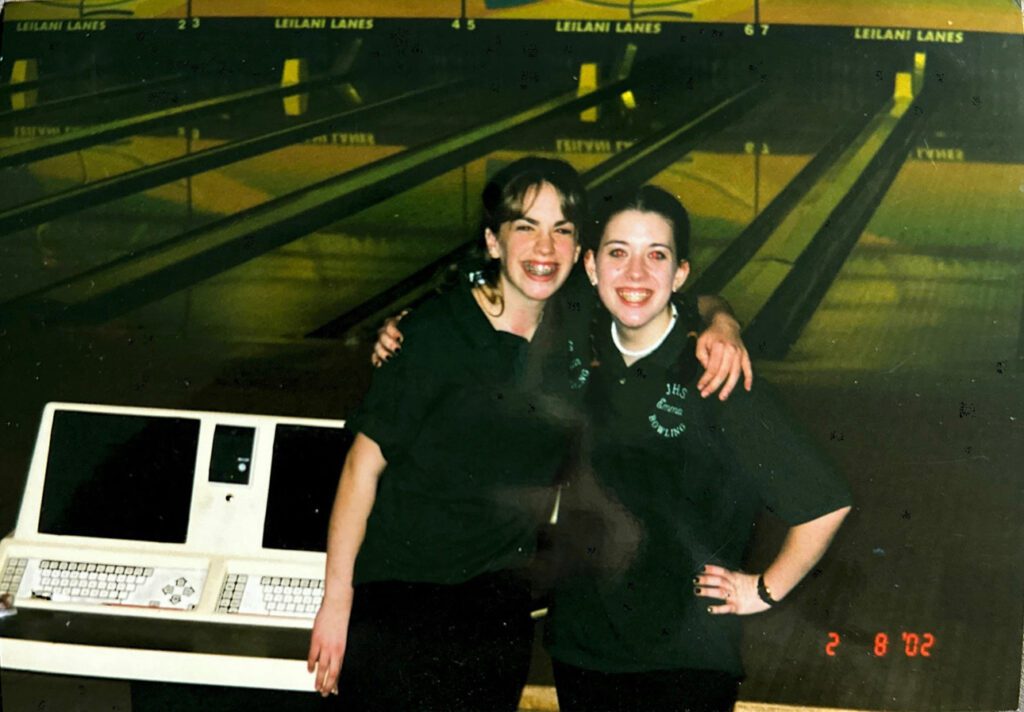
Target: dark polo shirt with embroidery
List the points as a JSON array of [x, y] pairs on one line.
[[571, 317], [471, 444], [674, 482]]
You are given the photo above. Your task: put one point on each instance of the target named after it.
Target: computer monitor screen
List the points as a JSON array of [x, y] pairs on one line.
[[303, 479], [119, 476]]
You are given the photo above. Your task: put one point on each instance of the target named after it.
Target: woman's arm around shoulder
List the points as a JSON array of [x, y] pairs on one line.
[[389, 340], [720, 349]]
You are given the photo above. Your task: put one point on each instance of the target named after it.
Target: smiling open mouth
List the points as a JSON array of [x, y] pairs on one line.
[[634, 296], [540, 269]]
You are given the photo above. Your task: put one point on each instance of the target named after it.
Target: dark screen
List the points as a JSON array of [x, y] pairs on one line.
[[231, 456], [303, 479], [119, 476]]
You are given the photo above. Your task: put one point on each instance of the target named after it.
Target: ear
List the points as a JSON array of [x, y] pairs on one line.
[[682, 272], [576, 255], [493, 246], [590, 264]]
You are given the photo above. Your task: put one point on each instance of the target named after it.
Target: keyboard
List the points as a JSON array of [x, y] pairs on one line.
[[101, 583], [271, 595]]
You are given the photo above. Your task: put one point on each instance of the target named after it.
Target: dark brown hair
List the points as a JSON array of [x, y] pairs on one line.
[[645, 199], [504, 200]]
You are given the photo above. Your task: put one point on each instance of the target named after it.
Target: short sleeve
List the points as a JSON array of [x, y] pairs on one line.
[[399, 397], [766, 444]]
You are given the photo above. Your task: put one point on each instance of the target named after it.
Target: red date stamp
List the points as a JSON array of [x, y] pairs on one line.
[[914, 644]]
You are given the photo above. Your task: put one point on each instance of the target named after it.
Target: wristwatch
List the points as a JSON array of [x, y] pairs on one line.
[[763, 592]]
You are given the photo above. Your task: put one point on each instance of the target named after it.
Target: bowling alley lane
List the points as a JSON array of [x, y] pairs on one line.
[[94, 235], [907, 373], [152, 142], [298, 287], [729, 178], [726, 180], [934, 282]]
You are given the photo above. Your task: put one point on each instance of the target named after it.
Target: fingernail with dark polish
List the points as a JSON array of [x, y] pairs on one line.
[[696, 591]]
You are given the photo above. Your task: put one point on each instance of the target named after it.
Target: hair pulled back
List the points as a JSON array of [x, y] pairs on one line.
[[507, 197], [645, 199]]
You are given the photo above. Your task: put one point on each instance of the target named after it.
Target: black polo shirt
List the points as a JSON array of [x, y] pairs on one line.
[[571, 317], [472, 447], [564, 337], [676, 482]]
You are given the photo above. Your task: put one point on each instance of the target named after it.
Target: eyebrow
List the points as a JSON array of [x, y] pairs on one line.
[[563, 221], [623, 242]]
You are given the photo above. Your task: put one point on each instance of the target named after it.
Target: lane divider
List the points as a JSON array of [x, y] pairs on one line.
[[37, 149], [781, 285], [115, 187]]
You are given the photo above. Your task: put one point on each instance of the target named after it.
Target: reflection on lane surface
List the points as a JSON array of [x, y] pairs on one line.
[[725, 180], [69, 245], [907, 373], [155, 143], [334, 270], [729, 179], [934, 282], [296, 288]]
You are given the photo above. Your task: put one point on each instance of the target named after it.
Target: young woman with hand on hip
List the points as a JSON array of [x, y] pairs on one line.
[[451, 474], [649, 622]]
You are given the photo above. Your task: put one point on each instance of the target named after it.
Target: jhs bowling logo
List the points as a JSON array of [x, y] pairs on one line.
[[578, 373], [667, 416]]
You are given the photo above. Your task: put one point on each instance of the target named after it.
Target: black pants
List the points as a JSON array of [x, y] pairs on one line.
[[581, 690], [417, 646]]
